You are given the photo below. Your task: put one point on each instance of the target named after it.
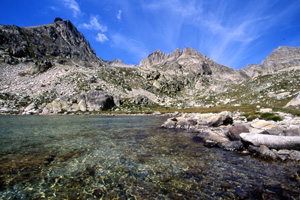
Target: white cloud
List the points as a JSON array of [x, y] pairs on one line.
[[95, 25], [177, 7], [119, 15], [101, 37], [54, 8], [73, 5]]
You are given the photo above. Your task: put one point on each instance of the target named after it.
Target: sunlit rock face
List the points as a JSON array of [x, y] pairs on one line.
[[281, 58], [60, 40]]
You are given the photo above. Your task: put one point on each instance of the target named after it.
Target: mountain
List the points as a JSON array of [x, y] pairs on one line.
[[59, 40], [189, 61], [52, 69], [280, 59], [117, 63]]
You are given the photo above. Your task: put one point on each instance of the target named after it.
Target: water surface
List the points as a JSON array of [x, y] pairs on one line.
[[128, 157]]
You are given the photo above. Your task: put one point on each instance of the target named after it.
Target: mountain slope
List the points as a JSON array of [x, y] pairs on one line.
[[58, 40]]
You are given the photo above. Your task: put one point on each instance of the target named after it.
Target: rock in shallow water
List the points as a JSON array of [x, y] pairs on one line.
[[232, 145], [263, 151], [272, 141], [235, 131]]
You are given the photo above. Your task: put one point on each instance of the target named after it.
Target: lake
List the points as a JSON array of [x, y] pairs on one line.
[[128, 157]]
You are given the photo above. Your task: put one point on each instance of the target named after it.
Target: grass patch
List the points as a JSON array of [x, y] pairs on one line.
[[270, 116], [293, 111]]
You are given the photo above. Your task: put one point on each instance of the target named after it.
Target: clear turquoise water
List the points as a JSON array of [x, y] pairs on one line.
[[127, 157]]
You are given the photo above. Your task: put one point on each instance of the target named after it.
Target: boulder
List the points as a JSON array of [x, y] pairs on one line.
[[295, 155], [215, 137], [285, 154], [294, 102], [272, 141], [235, 131], [31, 109], [82, 103], [181, 123], [263, 152], [266, 110], [232, 145], [99, 101], [263, 124], [141, 99], [215, 120], [291, 132], [54, 107], [170, 123]]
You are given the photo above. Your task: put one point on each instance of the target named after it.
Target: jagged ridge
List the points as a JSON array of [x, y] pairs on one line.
[[280, 58], [57, 40]]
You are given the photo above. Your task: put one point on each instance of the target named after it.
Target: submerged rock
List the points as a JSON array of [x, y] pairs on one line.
[[232, 145], [263, 152]]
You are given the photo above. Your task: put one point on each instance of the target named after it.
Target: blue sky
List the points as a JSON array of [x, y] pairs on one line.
[[231, 32]]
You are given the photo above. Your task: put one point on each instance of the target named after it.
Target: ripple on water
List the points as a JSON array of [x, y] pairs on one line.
[[81, 157]]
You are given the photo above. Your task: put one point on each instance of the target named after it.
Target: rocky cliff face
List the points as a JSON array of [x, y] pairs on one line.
[[280, 59], [57, 41]]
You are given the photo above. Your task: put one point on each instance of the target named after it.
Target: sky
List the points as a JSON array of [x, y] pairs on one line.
[[231, 32]]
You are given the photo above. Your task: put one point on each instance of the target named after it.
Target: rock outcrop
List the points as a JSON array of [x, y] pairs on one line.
[[60, 40], [90, 101], [281, 58], [294, 102]]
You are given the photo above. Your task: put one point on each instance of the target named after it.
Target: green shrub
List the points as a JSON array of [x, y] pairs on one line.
[[270, 116]]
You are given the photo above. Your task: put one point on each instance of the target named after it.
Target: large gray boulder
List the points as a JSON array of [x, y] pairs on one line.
[[263, 152], [99, 101], [215, 120], [235, 131], [272, 141]]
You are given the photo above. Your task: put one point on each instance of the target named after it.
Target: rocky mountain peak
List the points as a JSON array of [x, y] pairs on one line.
[[117, 63], [177, 53], [280, 59], [57, 40], [154, 58], [284, 53], [157, 57], [190, 51]]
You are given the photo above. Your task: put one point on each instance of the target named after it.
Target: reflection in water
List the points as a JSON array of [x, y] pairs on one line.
[[93, 157]]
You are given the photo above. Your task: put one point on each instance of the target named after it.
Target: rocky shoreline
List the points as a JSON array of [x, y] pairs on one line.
[[272, 140]]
